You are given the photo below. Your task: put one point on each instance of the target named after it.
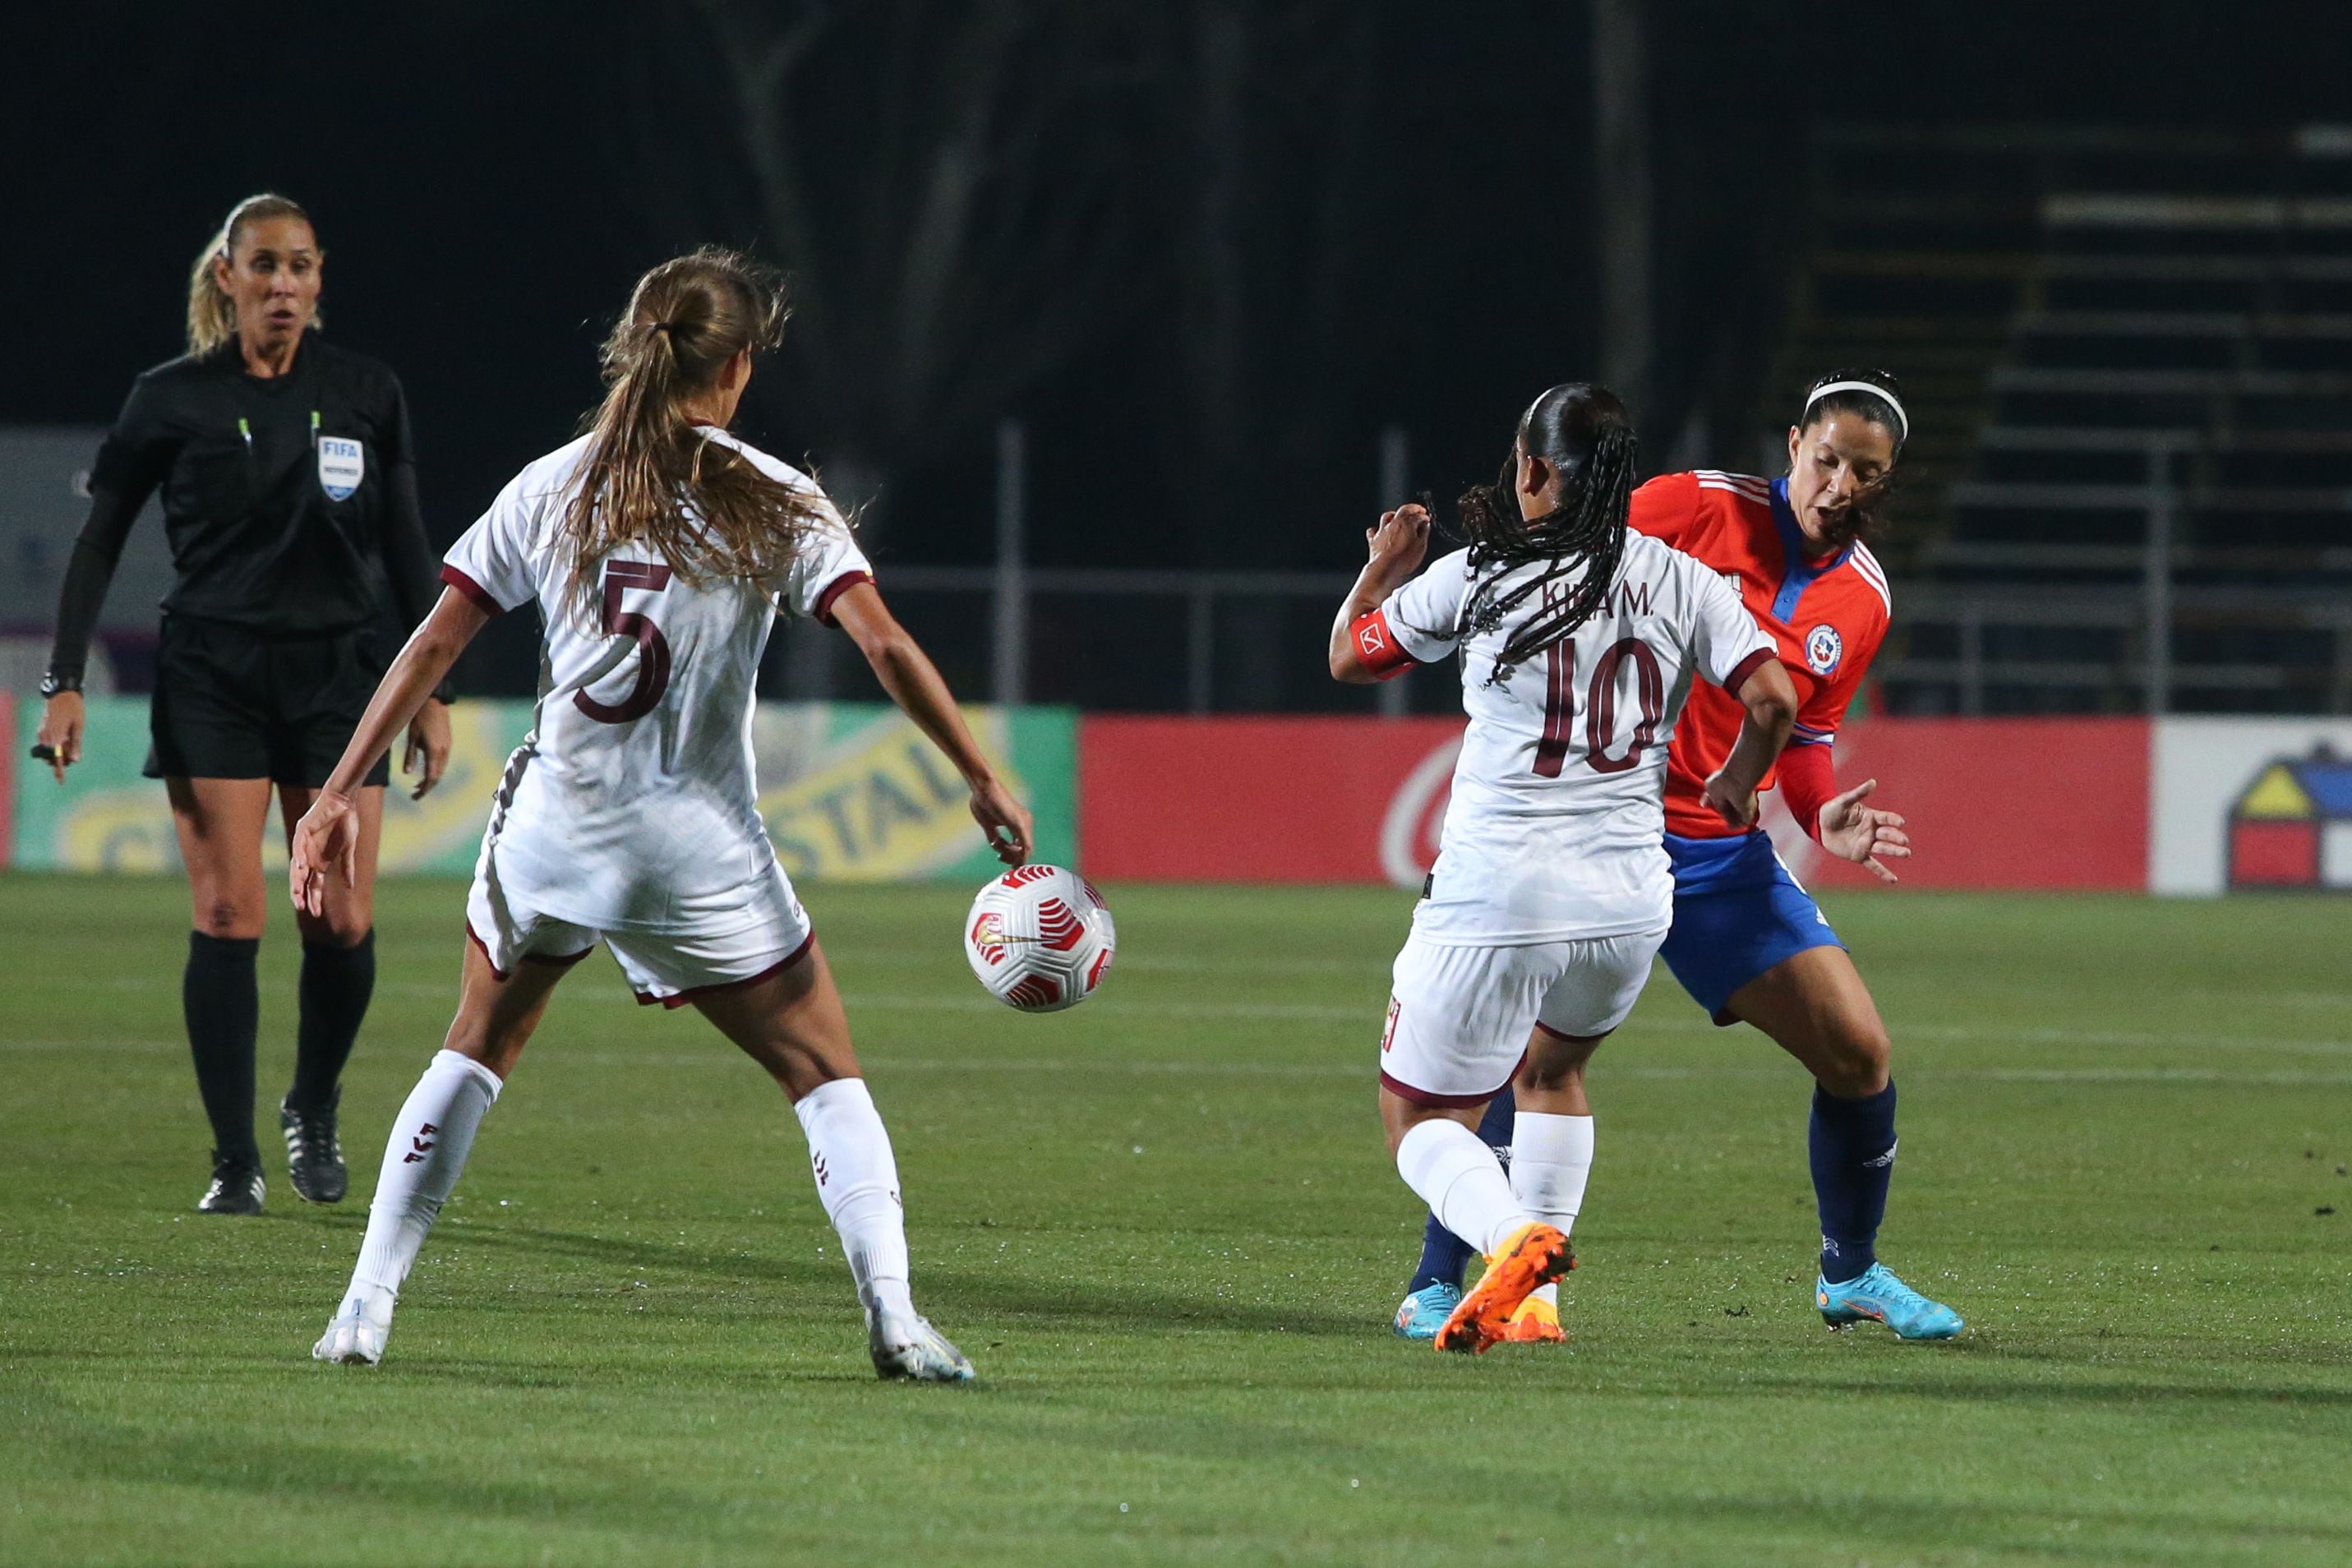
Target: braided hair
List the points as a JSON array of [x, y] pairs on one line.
[[1581, 431]]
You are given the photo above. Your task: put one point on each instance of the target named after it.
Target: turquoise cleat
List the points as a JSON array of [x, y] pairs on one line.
[[1880, 1295], [1420, 1315]]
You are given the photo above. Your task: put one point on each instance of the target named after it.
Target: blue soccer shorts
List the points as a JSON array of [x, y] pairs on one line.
[[1738, 914]]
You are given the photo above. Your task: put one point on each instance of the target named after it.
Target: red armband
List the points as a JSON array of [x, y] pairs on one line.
[[1806, 780], [1376, 645]]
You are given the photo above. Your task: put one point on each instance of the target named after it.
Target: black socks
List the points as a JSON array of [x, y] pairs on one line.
[[337, 983], [223, 1003]]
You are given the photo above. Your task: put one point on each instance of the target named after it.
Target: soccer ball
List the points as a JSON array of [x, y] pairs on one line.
[[1040, 937]]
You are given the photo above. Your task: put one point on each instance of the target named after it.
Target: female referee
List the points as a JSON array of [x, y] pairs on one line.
[[1748, 942], [289, 496]]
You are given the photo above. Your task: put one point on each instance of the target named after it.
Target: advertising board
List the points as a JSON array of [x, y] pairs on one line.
[[1991, 803], [850, 793]]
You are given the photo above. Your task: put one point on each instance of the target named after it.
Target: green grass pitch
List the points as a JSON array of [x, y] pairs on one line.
[[1164, 1227]]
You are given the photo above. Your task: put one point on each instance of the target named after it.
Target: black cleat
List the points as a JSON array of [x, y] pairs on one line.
[[236, 1188], [314, 1156]]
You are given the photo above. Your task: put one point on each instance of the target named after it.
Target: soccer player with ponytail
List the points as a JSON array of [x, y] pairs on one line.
[[1552, 891], [659, 548], [1748, 942]]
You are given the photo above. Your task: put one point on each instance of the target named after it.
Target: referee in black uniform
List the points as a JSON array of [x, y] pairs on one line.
[[290, 495]]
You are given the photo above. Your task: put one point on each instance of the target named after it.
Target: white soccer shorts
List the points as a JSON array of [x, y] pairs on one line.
[[766, 936], [1460, 1017]]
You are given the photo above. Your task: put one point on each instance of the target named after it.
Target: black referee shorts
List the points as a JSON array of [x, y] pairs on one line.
[[232, 702]]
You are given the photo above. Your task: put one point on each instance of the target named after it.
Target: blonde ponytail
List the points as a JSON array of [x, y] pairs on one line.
[[212, 314]]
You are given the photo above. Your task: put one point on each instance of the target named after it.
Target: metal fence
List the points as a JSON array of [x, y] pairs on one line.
[[2081, 617], [2086, 617]]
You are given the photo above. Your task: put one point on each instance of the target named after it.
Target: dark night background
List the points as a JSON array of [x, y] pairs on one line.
[[1218, 248]]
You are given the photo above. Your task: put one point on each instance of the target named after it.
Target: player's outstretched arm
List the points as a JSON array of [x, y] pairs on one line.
[[1770, 699], [328, 835], [1863, 833], [1397, 548], [906, 673]]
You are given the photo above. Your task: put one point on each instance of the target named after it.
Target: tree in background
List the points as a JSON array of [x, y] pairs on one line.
[[939, 179], [1261, 111], [962, 190]]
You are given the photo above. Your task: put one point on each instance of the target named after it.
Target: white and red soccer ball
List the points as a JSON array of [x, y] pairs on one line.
[[1040, 937]]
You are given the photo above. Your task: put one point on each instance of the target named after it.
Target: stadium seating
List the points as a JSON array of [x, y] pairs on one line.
[[2130, 364]]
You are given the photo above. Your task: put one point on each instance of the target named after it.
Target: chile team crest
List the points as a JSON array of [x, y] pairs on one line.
[[1823, 648]]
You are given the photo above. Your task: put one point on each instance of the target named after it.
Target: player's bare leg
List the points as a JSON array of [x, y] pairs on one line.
[[1442, 1160], [430, 1139], [1815, 1007], [219, 824], [793, 1025]]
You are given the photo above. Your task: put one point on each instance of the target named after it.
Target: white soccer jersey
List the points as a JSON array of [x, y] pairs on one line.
[[633, 805], [1557, 811]]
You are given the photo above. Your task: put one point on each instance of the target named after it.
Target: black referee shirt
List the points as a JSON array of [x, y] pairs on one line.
[[290, 502]]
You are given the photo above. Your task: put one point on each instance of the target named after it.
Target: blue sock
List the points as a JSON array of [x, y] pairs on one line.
[[1446, 1257], [1852, 1147]]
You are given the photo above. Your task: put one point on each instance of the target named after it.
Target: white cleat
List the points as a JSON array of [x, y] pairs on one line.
[[356, 1336], [908, 1346]]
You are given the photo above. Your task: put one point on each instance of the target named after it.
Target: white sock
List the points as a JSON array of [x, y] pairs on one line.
[[1460, 1181], [858, 1182], [1552, 1158], [430, 1139]]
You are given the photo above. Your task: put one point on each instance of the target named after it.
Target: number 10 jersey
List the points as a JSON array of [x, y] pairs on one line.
[[633, 804], [1554, 830]]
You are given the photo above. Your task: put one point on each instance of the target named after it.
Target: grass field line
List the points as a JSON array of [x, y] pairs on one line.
[[1145, 1067], [1327, 1013], [1303, 1012], [1333, 1013]]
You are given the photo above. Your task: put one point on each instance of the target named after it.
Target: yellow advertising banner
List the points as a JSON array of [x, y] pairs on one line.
[[852, 791]]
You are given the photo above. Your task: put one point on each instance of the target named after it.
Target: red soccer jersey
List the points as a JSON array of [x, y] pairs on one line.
[[1826, 619]]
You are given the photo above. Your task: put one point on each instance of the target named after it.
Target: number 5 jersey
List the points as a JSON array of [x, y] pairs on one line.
[[1555, 825], [632, 804]]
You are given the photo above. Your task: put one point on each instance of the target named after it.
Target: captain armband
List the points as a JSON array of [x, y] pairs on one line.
[[1376, 648]]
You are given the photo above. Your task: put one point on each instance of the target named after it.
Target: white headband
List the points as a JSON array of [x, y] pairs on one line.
[[1902, 420]]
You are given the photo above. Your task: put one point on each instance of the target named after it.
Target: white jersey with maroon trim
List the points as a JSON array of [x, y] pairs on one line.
[[1554, 828], [632, 804]]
